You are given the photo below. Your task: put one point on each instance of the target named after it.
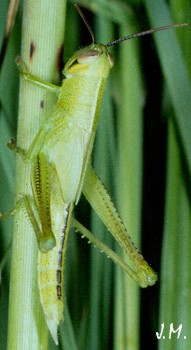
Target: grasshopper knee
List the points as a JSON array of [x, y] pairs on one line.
[[47, 244]]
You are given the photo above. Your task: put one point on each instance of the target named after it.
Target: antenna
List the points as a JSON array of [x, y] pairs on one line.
[[85, 22], [150, 31]]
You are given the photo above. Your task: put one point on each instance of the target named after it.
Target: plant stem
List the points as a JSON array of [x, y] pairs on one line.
[[42, 38]]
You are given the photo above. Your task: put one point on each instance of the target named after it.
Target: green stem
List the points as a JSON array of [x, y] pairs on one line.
[[127, 301], [42, 38]]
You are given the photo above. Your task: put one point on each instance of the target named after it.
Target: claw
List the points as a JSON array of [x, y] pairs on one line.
[[11, 144]]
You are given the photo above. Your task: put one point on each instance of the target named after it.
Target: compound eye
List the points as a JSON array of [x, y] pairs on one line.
[[111, 60], [87, 56]]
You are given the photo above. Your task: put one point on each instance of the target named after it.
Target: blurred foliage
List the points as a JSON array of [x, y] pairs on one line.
[[142, 153]]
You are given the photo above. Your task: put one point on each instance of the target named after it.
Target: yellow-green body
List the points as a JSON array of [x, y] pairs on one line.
[[63, 148], [66, 146], [61, 170]]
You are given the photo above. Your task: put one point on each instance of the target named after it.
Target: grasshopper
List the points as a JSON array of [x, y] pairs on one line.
[[60, 155]]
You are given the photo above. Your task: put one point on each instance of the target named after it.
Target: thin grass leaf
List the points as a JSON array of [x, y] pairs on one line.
[[110, 10], [175, 275], [8, 116], [176, 258], [101, 283], [175, 73], [129, 177]]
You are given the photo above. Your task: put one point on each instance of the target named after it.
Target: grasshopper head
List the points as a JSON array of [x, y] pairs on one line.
[[94, 60]]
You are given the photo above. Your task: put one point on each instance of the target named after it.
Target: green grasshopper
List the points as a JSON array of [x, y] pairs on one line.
[[60, 155]]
